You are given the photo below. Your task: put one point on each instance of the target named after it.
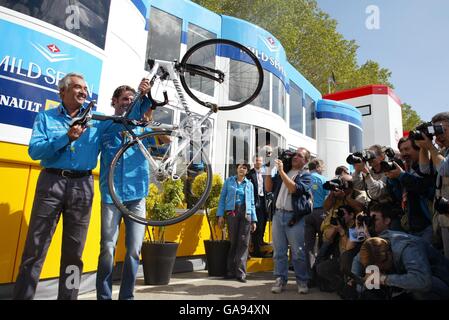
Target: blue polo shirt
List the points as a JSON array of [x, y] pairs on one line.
[[132, 176], [319, 194], [50, 142]]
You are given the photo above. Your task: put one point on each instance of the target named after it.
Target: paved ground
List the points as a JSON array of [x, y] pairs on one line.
[[198, 286]]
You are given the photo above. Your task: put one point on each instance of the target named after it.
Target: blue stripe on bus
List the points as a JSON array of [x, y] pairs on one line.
[[141, 7], [184, 37], [338, 116]]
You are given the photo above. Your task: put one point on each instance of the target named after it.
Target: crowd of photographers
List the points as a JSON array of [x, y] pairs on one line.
[[382, 232]]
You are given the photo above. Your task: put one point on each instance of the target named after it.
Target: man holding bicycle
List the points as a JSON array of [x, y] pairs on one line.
[[131, 180], [65, 186]]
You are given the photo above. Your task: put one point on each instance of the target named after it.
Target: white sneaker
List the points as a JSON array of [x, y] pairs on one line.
[[278, 286], [302, 288]]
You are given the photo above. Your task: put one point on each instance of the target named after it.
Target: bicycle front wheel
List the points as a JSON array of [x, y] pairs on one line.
[[174, 190], [223, 69]]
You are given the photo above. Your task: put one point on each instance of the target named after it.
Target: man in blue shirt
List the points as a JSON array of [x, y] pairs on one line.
[[131, 182], [313, 221], [65, 186]]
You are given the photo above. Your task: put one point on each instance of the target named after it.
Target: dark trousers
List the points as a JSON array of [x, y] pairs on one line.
[[239, 228], [257, 236], [312, 225], [56, 195]]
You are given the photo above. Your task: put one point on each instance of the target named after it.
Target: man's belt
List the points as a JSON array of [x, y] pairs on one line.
[[69, 173]]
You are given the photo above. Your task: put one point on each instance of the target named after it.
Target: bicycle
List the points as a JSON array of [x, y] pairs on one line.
[[213, 65]]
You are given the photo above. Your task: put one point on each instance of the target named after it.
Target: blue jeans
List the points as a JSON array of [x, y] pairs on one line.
[[110, 224], [283, 236]]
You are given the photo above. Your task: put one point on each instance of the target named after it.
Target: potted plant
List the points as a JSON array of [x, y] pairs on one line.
[[158, 255], [216, 249]]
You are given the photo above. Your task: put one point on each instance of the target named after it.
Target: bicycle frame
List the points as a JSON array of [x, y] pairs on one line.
[[160, 71]]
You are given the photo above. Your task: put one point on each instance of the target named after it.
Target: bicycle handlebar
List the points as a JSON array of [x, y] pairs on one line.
[[85, 116], [155, 103]]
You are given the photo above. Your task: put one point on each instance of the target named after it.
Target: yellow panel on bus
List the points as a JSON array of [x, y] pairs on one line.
[[14, 179]]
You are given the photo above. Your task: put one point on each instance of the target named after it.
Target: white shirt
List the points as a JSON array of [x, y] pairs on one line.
[[259, 182], [284, 200]]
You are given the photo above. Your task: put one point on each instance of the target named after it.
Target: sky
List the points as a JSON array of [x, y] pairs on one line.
[[412, 41]]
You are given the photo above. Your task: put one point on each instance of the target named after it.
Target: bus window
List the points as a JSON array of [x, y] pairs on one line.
[[84, 18], [164, 37]]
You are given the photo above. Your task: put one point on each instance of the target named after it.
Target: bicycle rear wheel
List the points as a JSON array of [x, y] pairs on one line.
[[172, 196], [224, 69]]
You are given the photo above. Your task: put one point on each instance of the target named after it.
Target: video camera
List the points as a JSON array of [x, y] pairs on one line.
[[428, 128], [286, 157], [361, 156], [270, 154], [337, 184], [388, 165]]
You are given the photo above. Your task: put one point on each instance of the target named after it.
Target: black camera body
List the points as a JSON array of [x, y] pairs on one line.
[[441, 205], [389, 165], [363, 218], [338, 220], [428, 128], [286, 157], [361, 156], [337, 184]]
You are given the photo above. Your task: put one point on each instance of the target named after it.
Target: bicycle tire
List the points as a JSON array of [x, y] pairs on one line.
[[248, 82], [146, 139]]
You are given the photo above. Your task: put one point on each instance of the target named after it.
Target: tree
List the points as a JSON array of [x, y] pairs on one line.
[[410, 118], [310, 39]]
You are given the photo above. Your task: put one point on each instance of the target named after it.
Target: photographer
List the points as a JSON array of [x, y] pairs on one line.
[[370, 177], [335, 243], [414, 190], [440, 123], [292, 193], [380, 222], [342, 192], [406, 262]]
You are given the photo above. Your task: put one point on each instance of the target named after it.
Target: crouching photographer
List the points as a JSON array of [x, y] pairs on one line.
[[395, 255], [342, 192], [335, 243], [369, 168], [292, 198], [439, 127]]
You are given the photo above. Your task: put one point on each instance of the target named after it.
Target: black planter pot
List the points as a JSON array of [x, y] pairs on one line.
[[158, 260], [216, 256]]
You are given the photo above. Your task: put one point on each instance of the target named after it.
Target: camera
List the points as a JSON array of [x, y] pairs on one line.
[[441, 205], [286, 158], [389, 152], [428, 128], [338, 220], [388, 165], [363, 218], [337, 184], [361, 156]]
